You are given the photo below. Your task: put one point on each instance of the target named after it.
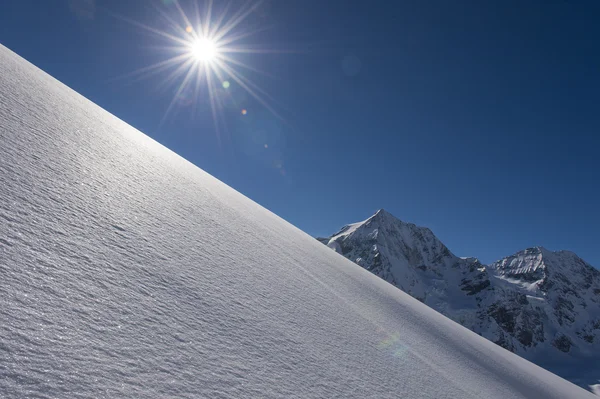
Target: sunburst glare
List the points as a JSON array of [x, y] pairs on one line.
[[203, 45]]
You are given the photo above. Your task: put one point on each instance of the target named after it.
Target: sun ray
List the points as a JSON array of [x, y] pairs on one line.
[[182, 87], [176, 74], [257, 50], [150, 70], [185, 19], [242, 35], [217, 23], [213, 106], [246, 85], [203, 45], [230, 60], [208, 17], [172, 22], [199, 25], [151, 29], [235, 21], [197, 87]]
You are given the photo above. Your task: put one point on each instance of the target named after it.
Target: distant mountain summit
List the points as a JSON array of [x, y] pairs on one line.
[[542, 305], [408, 256], [563, 296]]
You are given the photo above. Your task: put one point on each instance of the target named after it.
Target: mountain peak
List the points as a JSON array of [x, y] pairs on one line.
[[394, 249], [538, 258], [533, 301], [541, 269], [383, 214]]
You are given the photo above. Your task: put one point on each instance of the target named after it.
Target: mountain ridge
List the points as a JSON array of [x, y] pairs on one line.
[[543, 305]]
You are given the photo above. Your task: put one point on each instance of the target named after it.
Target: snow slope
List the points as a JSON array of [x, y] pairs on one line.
[[128, 272]]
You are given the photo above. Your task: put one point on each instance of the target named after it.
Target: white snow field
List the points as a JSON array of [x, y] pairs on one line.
[[128, 272]]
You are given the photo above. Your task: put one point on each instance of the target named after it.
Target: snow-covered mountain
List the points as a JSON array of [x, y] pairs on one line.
[[128, 272], [542, 305]]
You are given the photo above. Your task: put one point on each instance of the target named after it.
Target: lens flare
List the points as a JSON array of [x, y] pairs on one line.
[[393, 345]]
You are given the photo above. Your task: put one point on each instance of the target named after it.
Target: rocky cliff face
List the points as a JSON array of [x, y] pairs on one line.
[[542, 305], [561, 299]]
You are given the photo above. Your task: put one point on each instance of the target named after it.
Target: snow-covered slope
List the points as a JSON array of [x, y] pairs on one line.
[[542, 305], [128, 272]]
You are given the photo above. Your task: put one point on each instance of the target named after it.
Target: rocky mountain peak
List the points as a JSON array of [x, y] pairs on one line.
[[382, 213], [538, 303], [399, 252], [545, 270], [526, 265]]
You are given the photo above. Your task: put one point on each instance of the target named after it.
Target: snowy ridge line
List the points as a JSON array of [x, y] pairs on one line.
[[542, 305], [129, 273]]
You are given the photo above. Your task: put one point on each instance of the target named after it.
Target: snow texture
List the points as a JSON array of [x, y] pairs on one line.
[[126, 271]]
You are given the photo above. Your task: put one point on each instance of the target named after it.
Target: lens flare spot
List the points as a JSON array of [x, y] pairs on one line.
[[244, 112], [188, 29], [226, 84], [266, 146]]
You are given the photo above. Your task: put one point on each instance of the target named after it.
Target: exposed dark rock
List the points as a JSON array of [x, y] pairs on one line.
[[525, 337], [323, 240], [522, 299], [473, 288], [562, 343], [587, 337], [504, 317], [504, 342], [563, 310]]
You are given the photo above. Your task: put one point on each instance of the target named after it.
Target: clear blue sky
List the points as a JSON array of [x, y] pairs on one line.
[[478, 119]]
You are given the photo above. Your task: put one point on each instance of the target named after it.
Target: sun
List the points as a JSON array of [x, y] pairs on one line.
[[204, 50], [204, 47]]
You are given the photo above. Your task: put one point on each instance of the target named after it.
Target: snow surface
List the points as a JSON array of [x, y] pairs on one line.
[[126, 271]]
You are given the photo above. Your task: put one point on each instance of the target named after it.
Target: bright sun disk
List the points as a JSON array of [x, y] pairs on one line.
[[205, 55], [204, 49]]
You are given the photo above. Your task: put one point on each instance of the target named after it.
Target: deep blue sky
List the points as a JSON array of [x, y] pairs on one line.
[[478, 119]]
